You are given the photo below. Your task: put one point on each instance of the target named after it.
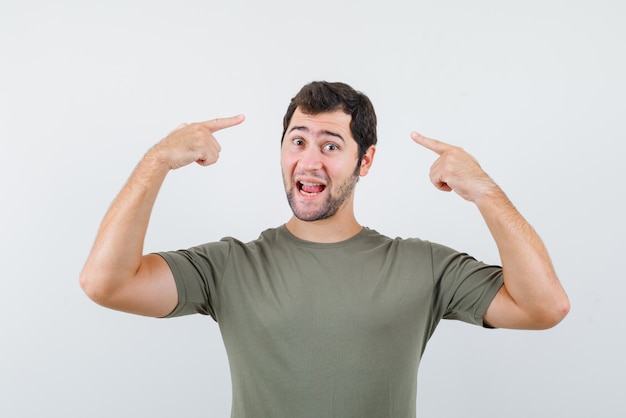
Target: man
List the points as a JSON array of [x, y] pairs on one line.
[[322, 317]]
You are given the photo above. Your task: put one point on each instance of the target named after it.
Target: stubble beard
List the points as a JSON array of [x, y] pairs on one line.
[[329, 207]]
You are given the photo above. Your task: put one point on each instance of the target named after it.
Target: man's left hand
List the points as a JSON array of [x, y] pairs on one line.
[[455, 169]]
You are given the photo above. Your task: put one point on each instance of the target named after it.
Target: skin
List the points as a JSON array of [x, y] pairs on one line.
[[319, 152], [116, 274], [320, 149], [532, 297]]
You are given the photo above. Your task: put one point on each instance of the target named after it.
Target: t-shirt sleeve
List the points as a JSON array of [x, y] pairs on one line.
[[465, 285], [197, 271]]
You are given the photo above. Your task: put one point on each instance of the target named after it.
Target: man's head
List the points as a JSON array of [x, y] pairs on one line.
[[328, 143], [322, 96]]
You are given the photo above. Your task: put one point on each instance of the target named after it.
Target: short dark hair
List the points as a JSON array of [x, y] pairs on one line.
[[323, 96]]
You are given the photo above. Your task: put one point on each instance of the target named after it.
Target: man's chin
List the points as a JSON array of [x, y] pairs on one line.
[[310, 217], [307, 210]]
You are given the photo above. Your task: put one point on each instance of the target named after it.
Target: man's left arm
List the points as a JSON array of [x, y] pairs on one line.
[[532, 296]]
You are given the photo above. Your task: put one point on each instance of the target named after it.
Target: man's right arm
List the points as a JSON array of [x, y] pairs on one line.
[[117, 274]]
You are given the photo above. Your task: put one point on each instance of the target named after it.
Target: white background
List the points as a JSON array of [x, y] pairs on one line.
[[535, 90]]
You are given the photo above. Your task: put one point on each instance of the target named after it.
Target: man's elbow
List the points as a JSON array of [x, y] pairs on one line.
[[553, 314], [96, 287]]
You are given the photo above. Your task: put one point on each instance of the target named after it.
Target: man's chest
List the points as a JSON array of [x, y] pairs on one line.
[[321, 300]]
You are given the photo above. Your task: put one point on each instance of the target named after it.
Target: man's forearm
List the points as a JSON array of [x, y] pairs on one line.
[[118, 248], [529, 276], [117, 274]]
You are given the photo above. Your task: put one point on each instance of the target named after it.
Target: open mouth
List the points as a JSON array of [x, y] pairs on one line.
[[310, 189]]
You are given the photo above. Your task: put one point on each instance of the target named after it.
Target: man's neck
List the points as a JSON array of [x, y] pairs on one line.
[[324, 231]]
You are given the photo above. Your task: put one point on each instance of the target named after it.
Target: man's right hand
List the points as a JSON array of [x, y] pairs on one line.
[[192, 143]]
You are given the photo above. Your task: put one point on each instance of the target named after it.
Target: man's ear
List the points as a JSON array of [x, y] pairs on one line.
[[367, 160]]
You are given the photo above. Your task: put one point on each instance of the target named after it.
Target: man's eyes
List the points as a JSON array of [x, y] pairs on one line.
[[331, 146]]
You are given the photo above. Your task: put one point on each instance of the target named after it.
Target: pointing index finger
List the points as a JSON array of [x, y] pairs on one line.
[[432, 144], [222, 123]]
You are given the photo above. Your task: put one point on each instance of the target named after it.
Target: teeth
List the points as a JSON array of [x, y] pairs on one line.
[[314, 188]]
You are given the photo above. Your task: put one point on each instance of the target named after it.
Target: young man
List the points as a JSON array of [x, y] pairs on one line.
[[322, 317]]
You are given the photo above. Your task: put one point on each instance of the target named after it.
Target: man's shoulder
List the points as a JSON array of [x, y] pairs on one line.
[[375, 236]]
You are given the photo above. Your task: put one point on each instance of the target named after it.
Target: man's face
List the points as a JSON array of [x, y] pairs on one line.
[[319, 164]]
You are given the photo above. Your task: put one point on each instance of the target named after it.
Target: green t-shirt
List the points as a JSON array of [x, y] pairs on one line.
[[328, 330]]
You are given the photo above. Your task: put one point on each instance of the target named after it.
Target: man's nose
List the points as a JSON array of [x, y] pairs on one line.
[[310, 159]]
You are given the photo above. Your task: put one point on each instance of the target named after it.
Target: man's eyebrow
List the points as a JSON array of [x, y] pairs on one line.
[[322, 132]]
